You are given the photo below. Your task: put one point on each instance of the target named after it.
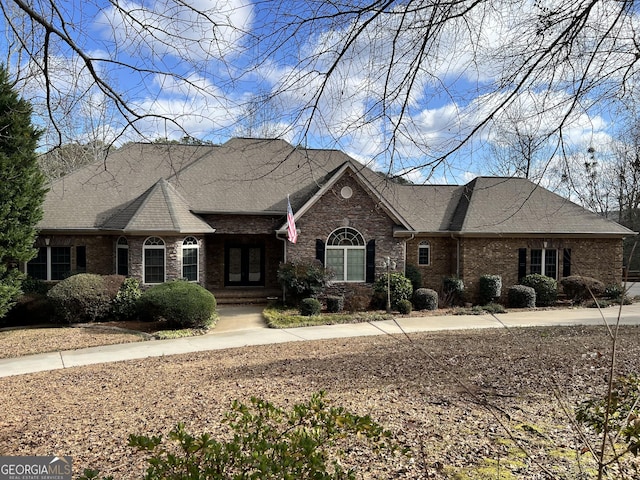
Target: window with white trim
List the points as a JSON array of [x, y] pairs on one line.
[[544, 262], [346, 255], [424, 253], [122, 257], [154, 260], [190, 256], [51, 263]]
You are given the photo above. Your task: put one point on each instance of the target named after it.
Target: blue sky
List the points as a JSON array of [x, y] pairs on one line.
[[207, 79]]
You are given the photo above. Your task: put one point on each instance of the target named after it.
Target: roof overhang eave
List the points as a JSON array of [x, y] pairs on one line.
[[542, 234], [266, 213]]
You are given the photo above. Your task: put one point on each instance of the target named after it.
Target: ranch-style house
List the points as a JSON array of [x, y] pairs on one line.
[[217, 215]]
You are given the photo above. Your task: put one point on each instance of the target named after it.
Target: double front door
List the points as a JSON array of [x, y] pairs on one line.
[[244, 265]]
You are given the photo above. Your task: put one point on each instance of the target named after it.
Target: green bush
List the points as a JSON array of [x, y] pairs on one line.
[[546, 288], [84, 297], [598, 303], [579, 288], [490, 288], [34, 285], [125, 305], [494, 308], [182, 304], [404, 307], [266, 442], [30, 309], [425, 299], [521, 296], [303, 279], [453, 291], [335, 303], [400, 287], [413, 274], [310, 307], [614, 291], [616, 414]]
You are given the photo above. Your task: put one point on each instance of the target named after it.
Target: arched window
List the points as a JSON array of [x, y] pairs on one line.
[[122, 257], [154, 260], [190, 256], [424, 253], [345, 254]]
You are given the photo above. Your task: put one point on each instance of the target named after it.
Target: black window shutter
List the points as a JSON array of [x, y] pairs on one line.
[[371, 261], [320, 250], [522, 263], [566, 263]]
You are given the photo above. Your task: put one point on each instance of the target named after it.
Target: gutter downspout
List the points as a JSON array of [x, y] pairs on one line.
[[413, 235]]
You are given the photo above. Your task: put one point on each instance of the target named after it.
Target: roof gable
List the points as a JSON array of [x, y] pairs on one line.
[[360, 176]]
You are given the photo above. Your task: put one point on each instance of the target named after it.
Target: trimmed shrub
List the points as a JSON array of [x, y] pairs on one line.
[[521, 296], [303, 279], [579, 288], [310, 307], [425, 299], [452, 291], [81, 298], [180, 303], [30, 309], [490, 288], [404, 307], [546, 288], [112, 284], [399, 286], [357, 298], [335, 303], [125, 305], [413, 274]]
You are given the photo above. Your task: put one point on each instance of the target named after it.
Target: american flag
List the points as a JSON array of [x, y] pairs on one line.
[[292, 233]]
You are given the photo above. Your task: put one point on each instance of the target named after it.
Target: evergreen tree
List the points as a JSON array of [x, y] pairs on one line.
[[21, 189]]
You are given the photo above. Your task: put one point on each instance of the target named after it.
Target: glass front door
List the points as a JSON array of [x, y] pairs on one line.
[[244, 265]]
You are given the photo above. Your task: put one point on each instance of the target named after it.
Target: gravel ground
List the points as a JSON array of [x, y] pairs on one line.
[[475, 403]]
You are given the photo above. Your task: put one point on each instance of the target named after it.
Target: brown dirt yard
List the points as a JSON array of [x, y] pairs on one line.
[[491, 404]]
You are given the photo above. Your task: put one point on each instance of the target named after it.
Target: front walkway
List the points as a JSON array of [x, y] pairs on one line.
[[243, 326]]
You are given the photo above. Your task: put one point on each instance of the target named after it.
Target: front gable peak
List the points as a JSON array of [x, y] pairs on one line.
[[368, 180]]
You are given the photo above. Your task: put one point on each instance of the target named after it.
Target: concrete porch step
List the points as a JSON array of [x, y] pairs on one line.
[[239, 296]]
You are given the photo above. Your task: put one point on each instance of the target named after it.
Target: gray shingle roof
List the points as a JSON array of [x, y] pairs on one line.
[[516, 205], [159, 209], [152, 187]]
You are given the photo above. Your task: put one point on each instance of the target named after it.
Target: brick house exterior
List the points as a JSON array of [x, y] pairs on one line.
[[216, 215]]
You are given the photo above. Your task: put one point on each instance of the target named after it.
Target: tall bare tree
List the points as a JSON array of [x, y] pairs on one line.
[[423, 78]]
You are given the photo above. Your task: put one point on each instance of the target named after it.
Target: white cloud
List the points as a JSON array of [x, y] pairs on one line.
[[199, 30]]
